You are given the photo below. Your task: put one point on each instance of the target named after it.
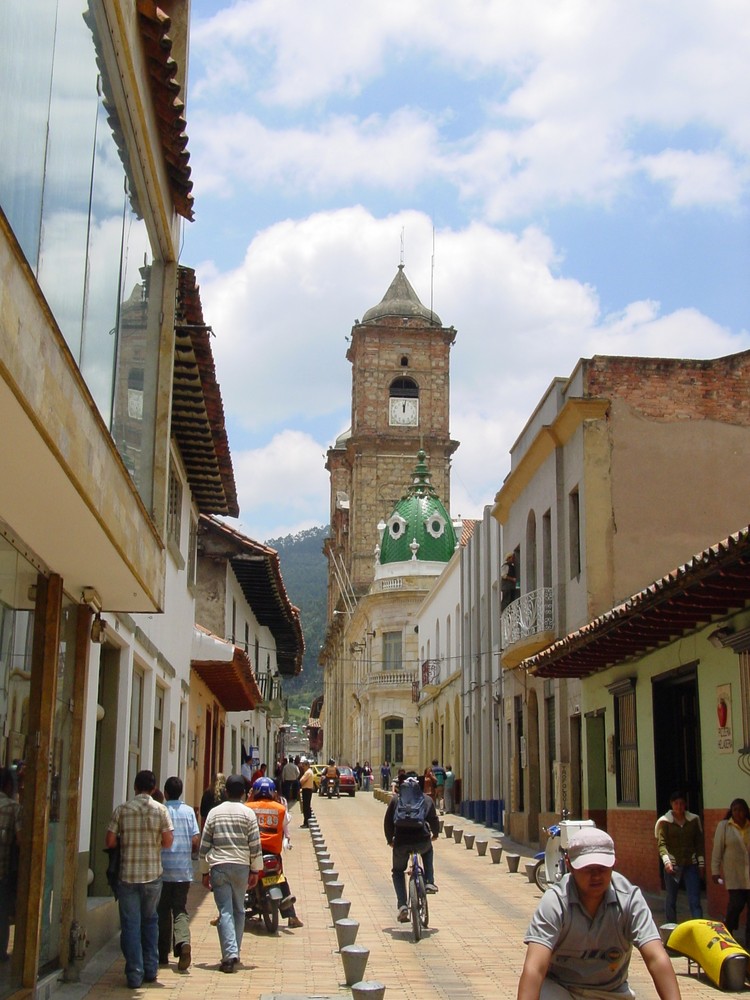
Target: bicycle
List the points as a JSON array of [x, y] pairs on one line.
[[418, 908]]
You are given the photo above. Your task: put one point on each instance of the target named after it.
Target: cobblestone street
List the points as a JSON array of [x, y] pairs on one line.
[[472, 949]]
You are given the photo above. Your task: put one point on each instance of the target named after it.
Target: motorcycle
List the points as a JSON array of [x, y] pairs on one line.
[[551, 861], [328, 786], [264, 899]]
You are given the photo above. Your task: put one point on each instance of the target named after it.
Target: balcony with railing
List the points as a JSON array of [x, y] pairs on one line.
[[390, 679], [430, 673], [527, 625]]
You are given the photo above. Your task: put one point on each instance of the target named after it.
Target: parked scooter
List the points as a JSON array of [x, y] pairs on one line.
[[265, 898], [551, 861]]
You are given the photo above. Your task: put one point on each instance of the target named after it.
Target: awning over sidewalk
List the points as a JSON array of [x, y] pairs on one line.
[[226, 670]]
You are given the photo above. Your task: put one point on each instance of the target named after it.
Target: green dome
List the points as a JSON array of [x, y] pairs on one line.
[[420, 528]]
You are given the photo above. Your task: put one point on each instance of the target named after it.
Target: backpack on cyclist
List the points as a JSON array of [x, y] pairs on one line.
[[411, 808]]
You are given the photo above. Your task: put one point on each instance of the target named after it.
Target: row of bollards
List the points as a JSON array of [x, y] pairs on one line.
[[353, 956], [471, 841]]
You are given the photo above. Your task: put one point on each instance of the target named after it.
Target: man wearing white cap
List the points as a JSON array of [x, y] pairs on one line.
[[581, 937]]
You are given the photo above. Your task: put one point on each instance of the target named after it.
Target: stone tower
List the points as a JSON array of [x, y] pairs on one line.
[[400, 357]]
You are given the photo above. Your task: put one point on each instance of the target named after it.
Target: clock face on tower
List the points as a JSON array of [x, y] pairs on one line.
[[403, 412]]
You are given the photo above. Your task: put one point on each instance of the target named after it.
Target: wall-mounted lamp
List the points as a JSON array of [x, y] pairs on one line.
[[720, 636], [98, 629]]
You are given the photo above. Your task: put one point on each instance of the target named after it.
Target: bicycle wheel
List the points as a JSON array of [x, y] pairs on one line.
[[416, 923], [424, 910]]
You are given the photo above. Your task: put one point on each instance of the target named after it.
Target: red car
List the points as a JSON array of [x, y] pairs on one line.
[[347, 782]]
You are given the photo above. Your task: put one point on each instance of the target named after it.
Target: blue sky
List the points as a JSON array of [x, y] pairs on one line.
[[583, 165]]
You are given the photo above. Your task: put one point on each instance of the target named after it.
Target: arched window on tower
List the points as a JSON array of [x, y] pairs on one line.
[[403, 408]]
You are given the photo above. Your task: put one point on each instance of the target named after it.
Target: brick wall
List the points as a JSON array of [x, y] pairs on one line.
[[674, 388], [637, 857]]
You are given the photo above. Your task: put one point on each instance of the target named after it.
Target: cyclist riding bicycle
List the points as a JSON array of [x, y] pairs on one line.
[[410, 825]]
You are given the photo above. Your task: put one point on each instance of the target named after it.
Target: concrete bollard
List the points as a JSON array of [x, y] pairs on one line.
[[340, 909], [448, 830], [328, 870], [513, 860], [354, 957], [530, 867], [346, 931], [330, 876], [334, 890], [457, 835], [441, 824], [496, 852], [481, 846], [368, 989], [469, 841]]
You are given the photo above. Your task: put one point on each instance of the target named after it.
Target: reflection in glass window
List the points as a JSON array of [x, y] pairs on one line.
[[67, 189]]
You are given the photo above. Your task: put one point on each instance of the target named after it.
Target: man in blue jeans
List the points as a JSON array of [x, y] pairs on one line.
[[679, 836], [177, 862], [142, 827], [231, 860], [405, 838]]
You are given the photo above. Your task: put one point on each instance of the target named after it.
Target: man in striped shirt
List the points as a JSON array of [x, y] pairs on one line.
[[142, 827], [231, 860]]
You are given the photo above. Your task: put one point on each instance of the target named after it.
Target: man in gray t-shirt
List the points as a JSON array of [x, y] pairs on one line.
[[581, 937]]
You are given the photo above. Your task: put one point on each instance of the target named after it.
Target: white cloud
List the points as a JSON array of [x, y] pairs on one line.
[[393, 152], [560, 98], [696, 178], [281, 320], [282, 487]]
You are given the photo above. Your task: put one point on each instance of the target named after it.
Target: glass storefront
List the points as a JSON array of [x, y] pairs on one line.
[[67, 190], [17, 580]]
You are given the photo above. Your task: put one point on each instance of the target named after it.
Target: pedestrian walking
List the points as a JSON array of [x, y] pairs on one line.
[[450, 781], [385, 775], [141, 827], [231, 860], [366, 776], [213, 795], [177, 877], [307, 787], [289, 775], [731, 859], [439, 773], [679, 835]]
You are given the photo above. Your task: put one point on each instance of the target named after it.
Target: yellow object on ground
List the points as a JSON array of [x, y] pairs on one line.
[[710, 944]]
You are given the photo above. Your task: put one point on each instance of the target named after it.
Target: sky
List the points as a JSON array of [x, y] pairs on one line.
[[561, 178]]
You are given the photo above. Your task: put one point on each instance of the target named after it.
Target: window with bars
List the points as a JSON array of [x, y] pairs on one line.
[[626, 742], [174, 509]]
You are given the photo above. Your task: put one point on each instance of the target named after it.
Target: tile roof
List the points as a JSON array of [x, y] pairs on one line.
[[226, 670], [197, 410], [258, 572], [709, 586], [154, 27]]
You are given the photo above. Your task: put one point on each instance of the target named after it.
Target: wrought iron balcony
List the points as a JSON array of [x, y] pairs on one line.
[[528, 616], [430, 672]]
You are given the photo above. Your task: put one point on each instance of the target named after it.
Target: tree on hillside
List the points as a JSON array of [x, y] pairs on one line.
[[304, 569]]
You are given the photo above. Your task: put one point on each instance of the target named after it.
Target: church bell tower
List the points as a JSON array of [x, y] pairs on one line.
[[400, 357]]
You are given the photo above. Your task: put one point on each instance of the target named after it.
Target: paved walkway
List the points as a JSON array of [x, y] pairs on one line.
[[473, 948]]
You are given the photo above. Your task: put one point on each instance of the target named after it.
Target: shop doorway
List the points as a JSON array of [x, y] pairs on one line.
[[677, 738]]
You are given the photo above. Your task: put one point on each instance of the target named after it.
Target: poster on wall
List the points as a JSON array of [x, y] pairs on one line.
[[724, 718]]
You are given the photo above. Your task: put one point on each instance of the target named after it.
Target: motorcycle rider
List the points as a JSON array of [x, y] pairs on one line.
[[406, 840], [273, 822], [333, 773]]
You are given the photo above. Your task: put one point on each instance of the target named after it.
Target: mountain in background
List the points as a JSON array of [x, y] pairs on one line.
[[304, 569]]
